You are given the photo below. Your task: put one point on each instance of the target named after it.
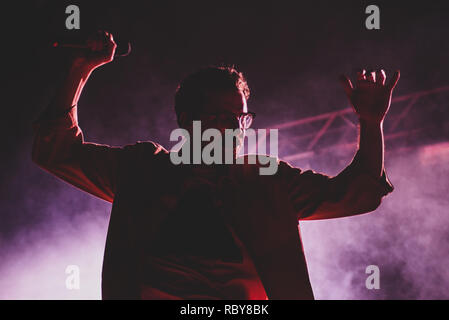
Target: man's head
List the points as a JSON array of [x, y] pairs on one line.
[[216, 96]]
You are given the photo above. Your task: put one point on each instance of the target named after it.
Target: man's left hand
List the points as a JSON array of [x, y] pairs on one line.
[[371, 97]]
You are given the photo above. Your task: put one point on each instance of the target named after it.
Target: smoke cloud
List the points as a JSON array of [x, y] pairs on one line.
[[291, 56]]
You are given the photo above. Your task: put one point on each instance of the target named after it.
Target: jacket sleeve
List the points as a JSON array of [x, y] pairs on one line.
[[60, 149], [317, 196]]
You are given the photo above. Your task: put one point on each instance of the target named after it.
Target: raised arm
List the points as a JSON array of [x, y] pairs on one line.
[[371, 99], [359, 188], [59, 146], [102, 49]]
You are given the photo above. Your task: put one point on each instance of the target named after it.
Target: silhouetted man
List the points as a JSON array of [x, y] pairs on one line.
[[208, 231]]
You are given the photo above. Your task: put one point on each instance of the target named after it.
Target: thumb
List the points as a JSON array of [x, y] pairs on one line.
[[394, 80], [347, 85]]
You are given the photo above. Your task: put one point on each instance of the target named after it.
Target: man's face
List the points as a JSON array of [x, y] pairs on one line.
[[221, 112]]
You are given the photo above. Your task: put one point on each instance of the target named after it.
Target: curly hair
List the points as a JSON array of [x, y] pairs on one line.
[[191, 92]]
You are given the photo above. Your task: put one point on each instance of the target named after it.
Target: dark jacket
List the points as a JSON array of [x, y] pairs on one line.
[[140, 179]]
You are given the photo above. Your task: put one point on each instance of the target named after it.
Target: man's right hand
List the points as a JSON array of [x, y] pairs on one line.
[[101, 50]]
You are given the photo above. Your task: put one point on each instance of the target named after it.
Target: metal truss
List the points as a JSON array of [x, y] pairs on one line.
[[422, 116]]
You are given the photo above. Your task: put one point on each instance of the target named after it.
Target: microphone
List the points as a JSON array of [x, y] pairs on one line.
[[120, 51]]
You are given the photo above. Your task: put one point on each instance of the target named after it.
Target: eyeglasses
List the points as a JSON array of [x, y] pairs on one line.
[[245, 119]]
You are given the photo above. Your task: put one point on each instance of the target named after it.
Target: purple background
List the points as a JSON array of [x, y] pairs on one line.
[[292, 54]]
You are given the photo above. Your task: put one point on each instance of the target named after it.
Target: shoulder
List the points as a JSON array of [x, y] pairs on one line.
[[257, 160], [262, 164], [146, 147], [144, 150]]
